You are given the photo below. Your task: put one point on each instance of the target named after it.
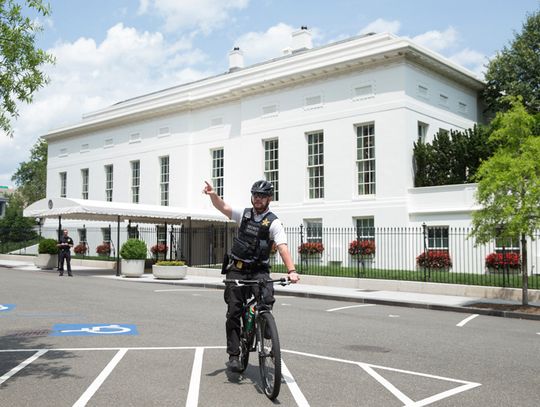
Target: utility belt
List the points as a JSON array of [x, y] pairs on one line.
[[230, 263]]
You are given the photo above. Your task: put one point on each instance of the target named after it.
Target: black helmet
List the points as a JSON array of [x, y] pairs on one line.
[[263, 187]]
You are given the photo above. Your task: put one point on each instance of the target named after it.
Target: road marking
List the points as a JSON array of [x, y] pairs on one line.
[[462, 323], [195, 381], [87, 395], [389, 386], [186, 289], [22, 365], [393, 316], [350, 306], [6, 307], [293, 386]]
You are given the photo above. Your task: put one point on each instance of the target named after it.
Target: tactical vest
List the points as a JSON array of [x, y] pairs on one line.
[[253, 243]]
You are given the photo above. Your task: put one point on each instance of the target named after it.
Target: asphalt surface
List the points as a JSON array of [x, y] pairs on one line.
[[335, 353]]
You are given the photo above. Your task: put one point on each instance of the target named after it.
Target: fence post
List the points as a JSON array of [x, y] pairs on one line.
[[301, 243], [358, 255], [426, 254]]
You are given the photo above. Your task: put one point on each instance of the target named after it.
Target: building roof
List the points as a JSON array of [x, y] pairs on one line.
[[83, 209], [337, 58]]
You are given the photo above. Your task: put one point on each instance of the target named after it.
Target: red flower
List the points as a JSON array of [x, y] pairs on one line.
[[362, 247], [159, 248], [80, 248], [497, 260], [104, 248], [437, 259], [310, 248]]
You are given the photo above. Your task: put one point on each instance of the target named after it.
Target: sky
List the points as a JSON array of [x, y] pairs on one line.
[[108, 51]]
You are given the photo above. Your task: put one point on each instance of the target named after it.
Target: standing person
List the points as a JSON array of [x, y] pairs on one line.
[[258, 230], [65, 244]]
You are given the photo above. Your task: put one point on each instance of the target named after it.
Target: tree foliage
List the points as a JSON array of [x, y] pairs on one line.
[[515, 71], [509, 182], [20, 60], [31, 176], [452, 158], [13, 226]]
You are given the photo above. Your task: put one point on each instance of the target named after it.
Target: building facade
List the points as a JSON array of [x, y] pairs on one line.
[[333, 127]]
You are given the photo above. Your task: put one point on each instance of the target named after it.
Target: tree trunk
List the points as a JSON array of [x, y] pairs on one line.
[[524, 274]]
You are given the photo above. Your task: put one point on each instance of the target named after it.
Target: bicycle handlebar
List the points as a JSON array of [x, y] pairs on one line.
[[282, 281]]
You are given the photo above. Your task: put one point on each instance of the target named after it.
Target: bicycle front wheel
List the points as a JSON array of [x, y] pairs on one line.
[[269, 355]]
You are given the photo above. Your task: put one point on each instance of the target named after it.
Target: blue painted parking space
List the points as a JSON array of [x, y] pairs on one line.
[[93, 329], [6, 307]]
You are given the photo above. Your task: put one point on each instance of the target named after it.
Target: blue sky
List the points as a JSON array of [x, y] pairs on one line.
[[111, 50]]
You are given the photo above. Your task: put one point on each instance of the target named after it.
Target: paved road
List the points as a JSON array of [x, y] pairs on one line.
[[168, 350]]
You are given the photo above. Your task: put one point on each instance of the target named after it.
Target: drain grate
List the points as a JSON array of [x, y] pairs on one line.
[[29, 334]]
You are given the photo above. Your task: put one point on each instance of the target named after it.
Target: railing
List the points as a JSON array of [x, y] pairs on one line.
[[381, 253]]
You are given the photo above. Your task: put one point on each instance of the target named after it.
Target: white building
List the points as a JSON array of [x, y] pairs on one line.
[[333, 127]]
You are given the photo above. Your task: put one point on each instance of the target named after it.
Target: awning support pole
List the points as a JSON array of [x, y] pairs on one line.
[[118, 247]]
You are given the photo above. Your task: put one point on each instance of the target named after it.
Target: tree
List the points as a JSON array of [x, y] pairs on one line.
[[509, 183], [20, 60], [31, 176], [515, 71], [452, 158], [13, 226]]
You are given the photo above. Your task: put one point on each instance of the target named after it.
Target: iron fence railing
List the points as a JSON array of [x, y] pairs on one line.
[[406, 253]]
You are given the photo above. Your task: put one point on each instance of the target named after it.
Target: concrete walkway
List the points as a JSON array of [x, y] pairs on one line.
[[384, 292]]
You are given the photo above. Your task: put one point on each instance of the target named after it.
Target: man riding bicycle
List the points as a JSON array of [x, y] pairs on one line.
[[258, 230]]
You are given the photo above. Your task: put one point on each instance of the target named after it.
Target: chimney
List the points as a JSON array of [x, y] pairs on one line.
[[301, 40], [236, 59]]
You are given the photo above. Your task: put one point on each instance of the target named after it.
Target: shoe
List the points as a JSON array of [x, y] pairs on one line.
[[60, 269], [60, 275], [234, 364], [71, 275]]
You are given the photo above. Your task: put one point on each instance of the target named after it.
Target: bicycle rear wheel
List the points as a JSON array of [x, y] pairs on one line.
[[269, 355]]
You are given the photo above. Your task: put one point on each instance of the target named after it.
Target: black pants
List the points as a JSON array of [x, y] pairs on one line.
[[236, 297], [67, 256]]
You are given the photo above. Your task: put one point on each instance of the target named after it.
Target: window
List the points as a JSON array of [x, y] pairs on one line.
[[271, 164], [365, 228], [84, 183], [269, 110], [316, 165], [108, 183], [363, 91], [443, 99], [422, 91], [422, 131], [507, 244], [365, 158], [108, 143], [164, 180], [217, 171], [161, 233], [438, 237], [133, 232], [313, 230], [164, 132], [85, 148], [135, 138], [63, 184], [106, 233], [135, 180], [82, 235]]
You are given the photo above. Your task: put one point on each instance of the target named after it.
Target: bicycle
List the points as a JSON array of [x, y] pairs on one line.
[[259, 333]]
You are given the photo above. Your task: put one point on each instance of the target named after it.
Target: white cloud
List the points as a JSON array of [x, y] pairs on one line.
[[260, 46], [380, 25], [89, 76], [204, 15], [438, 40], [472, 60]]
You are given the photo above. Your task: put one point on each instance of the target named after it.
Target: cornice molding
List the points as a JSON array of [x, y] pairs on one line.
[[323, 62]]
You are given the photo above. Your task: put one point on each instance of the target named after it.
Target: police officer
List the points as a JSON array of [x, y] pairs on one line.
[[65, 243], [258, 230]]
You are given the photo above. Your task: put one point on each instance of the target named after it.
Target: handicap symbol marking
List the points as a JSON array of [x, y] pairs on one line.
[[93, 329], [6, 307]]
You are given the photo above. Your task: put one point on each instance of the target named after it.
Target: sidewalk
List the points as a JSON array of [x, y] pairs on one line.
[[464, 304]]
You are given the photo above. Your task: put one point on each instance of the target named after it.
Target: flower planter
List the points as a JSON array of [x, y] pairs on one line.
[[46, 261], [365, 262], [169, 272], [132, 268], [501, 270]]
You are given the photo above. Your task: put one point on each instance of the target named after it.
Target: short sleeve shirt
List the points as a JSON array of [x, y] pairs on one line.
[[277, 231]]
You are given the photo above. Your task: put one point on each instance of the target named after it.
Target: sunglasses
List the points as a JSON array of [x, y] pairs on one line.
[[259, 196]]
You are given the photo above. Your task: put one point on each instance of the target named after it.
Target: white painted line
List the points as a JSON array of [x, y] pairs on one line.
[[96, 384], [462, 323], [22, 365], [350, 306], [141, 348], [293, 386], [185, 289], [389, 386], [195, 381], [444, 395]]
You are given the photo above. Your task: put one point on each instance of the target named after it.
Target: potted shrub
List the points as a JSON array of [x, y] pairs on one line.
[[363, 251], [497, 263], [80, 249], [169, 270], [311, 248], [104, 249], [133, 253], [434, 259], [47, 257]]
